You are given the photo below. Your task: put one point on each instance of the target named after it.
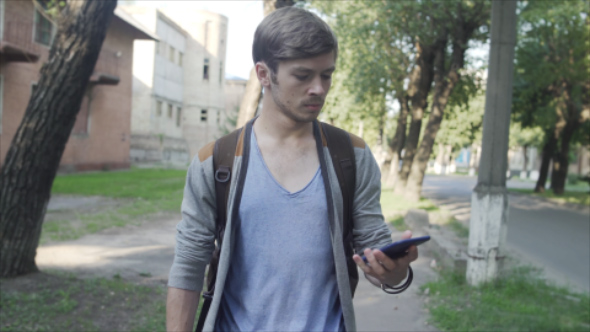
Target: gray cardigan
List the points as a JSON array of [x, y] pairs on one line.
[[195, 236]]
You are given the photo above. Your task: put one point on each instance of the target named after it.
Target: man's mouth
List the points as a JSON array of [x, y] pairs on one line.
[[313, 107]]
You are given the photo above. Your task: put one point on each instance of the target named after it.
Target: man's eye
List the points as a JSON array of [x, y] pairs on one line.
[[327, 77], [301, 78]]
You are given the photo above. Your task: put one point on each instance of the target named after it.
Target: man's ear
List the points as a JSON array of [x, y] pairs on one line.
[[263, 74]]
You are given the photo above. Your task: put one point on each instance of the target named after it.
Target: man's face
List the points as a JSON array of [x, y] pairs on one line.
[[301, 86]]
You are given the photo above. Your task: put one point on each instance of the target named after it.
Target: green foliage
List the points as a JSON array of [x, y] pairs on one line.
[[527, 136], [462, 124], [378, 43], [518, 301], [51, 8], [551, 58]]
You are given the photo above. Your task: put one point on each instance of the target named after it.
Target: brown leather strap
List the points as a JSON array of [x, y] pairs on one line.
[[223, 161], [342, 154]]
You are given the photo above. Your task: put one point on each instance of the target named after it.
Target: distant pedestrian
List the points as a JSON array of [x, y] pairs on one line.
[[283, 265]]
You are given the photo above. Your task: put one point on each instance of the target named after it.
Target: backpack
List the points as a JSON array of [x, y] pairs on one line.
[[342, 155]]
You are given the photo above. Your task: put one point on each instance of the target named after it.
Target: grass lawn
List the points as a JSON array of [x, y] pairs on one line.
[[62, 302], [160, 187], [576, 197], [394, 208], [142, 192], [519, 301]]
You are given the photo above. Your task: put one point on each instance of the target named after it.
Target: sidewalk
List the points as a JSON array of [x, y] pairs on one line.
[[132, 252], [377, 311]]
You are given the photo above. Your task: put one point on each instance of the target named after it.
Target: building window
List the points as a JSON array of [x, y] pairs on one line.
[[206, 69], [220, 72], [203, 115], [43, 29], [178, 113], [180, 59], [171, 54], [161, 48], [170, 111], [159, 108]]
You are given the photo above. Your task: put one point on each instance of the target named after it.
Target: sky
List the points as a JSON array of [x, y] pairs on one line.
[[243, 18]]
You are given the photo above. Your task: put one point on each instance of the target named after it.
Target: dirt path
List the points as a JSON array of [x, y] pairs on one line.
[[144, 254]]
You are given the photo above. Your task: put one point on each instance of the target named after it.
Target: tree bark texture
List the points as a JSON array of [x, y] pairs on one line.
[[253, 93], [445, 81], [419, 88], [443, 87], [567, 114], [546, 157], [35, 153], [398, 142]]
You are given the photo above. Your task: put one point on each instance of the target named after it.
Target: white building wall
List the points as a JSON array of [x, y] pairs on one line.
[[143, 80], [204, 100], [197, 35]]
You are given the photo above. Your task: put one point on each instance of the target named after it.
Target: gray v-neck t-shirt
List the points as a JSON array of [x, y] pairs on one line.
[[282, 275]]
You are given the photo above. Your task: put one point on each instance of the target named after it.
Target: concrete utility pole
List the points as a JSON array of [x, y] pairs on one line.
[[489, 200]]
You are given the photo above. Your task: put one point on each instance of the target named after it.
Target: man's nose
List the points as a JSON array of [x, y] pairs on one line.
[[317, 87]]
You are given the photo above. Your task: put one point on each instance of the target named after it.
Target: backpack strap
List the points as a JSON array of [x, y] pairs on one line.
[[224, 153], [223, 161], [342, 154]]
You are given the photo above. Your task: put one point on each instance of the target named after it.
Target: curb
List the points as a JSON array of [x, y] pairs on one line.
[[449, 250]]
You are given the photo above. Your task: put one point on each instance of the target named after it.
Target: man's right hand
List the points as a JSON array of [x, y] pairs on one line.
[[181, 307]]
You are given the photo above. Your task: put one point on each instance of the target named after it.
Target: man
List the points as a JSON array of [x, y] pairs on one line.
[[282, 265]]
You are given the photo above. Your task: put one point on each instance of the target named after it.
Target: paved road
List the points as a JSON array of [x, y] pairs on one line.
[[548, 235]]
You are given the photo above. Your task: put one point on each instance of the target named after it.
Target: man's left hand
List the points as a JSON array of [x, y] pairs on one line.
[[384, 269]]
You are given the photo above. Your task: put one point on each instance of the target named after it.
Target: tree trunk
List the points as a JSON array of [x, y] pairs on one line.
[[546, 157], [445, 81], [250, 100], [441, 97], [35, 153], [419, 88], [398, 142], [253, 93], [444, 85], [561, 157], [523, 173]]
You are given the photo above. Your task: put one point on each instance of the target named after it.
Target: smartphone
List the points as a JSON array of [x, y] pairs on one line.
[[400, 248]]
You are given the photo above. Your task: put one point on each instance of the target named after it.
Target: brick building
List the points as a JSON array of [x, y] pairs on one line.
[[100, 137]]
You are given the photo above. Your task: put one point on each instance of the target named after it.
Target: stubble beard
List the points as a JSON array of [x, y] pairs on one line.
[[289, 111]]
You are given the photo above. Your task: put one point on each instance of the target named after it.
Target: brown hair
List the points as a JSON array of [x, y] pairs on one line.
[[292, 33]]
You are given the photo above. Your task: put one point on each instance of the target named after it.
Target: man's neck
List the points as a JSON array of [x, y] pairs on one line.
[[277, 126]]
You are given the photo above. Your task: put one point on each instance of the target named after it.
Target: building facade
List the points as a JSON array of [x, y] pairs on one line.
[[100, 137], [235, 88], [178, 84]]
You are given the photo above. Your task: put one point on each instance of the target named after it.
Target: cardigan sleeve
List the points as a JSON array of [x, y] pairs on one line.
[[370, 230], [195, 233]]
